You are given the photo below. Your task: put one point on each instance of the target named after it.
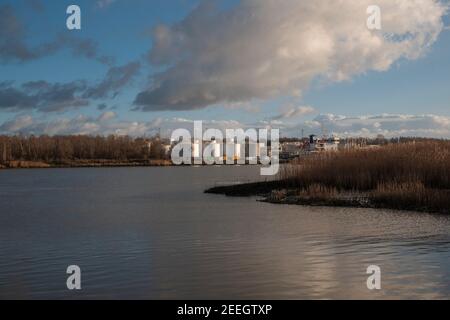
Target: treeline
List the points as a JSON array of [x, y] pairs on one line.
[[71, 148]]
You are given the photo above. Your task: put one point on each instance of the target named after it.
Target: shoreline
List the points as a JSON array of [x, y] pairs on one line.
[[17, 165], [412, 176], [272, 192], [22, 164]]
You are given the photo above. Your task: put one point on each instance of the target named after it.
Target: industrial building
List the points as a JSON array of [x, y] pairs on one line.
[[220, 151], [323, 144]]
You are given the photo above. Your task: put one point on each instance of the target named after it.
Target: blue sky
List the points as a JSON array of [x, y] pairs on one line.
[[420, 86], [125, 31], [121, 30]]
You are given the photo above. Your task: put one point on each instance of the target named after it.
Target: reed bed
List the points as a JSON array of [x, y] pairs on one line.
[[409, 176]]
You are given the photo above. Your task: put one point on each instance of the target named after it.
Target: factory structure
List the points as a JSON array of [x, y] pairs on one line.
[[258, 152], [218, 151], [323, 144]]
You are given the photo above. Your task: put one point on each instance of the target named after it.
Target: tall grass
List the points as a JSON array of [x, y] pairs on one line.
[[404, 176]]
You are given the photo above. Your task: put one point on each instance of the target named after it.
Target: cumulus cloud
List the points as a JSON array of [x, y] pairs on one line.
[[106, 116], [105, 124], [51, 97], [17, 124], [264, 49], [41, 95], [14, 48], [389, 125], [116, 79], [291, 112]]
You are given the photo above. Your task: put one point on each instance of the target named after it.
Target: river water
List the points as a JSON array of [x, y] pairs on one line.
[[151, 233]]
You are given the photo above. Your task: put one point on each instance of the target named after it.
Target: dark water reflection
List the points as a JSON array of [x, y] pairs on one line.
[[153, 233]]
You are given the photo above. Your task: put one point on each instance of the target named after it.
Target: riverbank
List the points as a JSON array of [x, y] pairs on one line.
[[413, 176], [271, 192], [83, 164]]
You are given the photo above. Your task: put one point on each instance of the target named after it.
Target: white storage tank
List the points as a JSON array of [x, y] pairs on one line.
[[237, 151], [217, 150], [196, 149], [229, 152]]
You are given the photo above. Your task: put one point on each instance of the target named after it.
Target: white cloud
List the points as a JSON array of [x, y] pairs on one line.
[[105, 116], [105, 124], [389, 125], [290, 112], [17, 124], [264, 49]]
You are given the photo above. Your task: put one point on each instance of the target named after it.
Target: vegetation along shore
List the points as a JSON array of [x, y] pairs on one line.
[[81, 151], [407, 176]]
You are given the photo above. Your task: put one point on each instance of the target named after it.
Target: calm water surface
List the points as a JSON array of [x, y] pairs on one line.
[[151, 233]]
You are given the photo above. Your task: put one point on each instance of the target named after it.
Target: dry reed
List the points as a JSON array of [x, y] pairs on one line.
[[400, 176]]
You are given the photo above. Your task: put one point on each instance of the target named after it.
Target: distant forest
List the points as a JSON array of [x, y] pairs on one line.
[[71, 148], [63, 149]]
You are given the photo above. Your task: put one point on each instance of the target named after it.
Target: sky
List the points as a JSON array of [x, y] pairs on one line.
[[141, 67]]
